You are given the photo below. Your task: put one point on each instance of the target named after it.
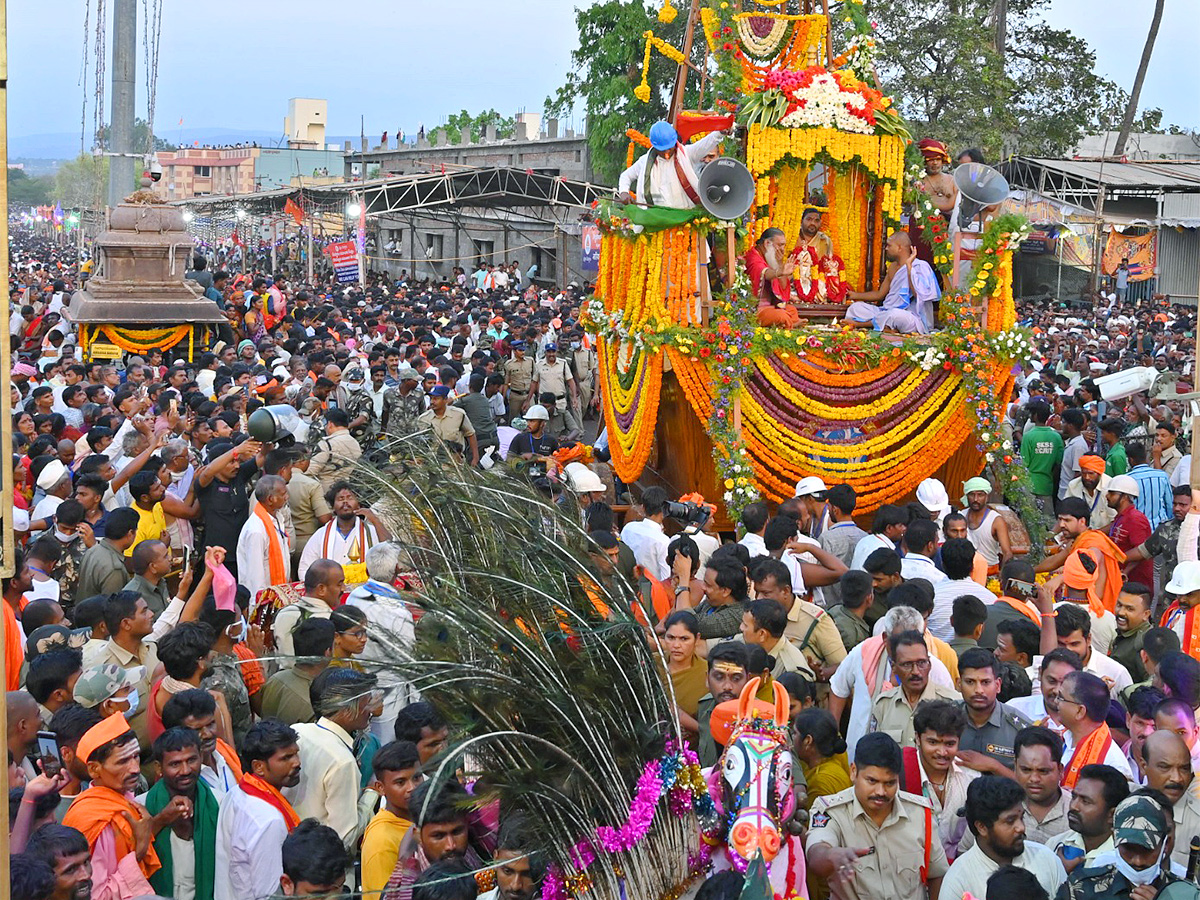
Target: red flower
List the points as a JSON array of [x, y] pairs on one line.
[[727, 46], [705, 352], [724, 379]]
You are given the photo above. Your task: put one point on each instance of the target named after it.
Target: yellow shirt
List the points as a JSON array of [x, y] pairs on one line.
[[827, 777], [690, 685], [380, 850], [152, 523]]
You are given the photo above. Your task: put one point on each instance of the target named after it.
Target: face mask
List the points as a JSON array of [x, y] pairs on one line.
[[65, 538], [575, 345], [132, 699], [240, 636], [1135, 876]]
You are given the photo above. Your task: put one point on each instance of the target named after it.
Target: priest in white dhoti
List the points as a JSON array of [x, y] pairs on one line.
[[666, 174], [264, 551], [346, 538], [908, 292]]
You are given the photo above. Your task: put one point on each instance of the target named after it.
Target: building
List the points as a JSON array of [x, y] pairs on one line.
[[1146, 209], [431, 243], [305, 123], [1140, 146]]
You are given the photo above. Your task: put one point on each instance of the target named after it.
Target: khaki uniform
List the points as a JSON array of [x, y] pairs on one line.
[[891, 714], [892, 870], [518, 377], [453, 426], [1187, 821], [586, 367], [788, 658], [553, 378], [995, 738], [813, 631]]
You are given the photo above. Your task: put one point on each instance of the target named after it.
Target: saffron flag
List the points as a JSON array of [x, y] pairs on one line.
[[293, 209], [1139, 249]]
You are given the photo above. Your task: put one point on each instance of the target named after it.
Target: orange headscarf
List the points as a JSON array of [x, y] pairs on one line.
[[1077, 577], [1091, 463], [1109, 555]]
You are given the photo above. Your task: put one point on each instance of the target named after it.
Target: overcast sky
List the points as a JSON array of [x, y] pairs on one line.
[[235, 63]]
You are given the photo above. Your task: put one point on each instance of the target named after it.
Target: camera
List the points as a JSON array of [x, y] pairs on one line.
[[688, 513]]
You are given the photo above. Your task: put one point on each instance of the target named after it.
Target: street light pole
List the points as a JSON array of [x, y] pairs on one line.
[[121, 169]]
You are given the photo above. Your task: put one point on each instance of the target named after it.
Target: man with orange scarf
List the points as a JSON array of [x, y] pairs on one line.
[[119, 831], [255, 817], [264, 551], [1183, 615], [1073, 519], [1083, 707]]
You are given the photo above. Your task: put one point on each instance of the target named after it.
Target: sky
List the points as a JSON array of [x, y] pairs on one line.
[[235, 63]]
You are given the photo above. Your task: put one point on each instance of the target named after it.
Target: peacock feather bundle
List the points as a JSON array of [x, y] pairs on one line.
[[554, 693]]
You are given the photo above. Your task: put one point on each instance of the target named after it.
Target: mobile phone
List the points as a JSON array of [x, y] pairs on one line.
[[49, 753], [174, 406], [1024, 588]]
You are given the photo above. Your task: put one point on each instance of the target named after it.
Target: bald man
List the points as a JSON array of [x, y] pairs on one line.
[[1168, 769], [23, 724], [908, 292]]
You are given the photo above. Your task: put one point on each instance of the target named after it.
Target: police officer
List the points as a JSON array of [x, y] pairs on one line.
[[873, 840], [892, 711], [1137, 866], [586, 368], [809, 627], [991, 732], [518, 377], [552, 375]]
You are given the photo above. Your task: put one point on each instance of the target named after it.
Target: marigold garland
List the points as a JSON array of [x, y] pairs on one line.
[[143, 340]]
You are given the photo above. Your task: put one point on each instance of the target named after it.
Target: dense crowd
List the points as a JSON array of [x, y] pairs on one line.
[[198, 632]]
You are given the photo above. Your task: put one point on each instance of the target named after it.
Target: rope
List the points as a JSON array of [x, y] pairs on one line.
[[150, 46], [83, 69], [100, 55]]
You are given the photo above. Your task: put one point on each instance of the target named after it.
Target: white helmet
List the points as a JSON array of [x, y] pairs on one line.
[[537, 411]]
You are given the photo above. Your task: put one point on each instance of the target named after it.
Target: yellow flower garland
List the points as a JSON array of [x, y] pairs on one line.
[[143, 340]]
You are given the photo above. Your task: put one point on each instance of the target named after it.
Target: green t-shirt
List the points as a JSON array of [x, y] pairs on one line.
[[1115, 462], [1042, 450]]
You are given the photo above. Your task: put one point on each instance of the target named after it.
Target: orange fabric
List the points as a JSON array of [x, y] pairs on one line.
[[660, 595], [256, 787], [872, 659], [99, 807], [725, 715], [100, 734], [784, 317], [231, 758], [251, 669], [979, 570], [1026, 609], [1093, 749], [14, 653], [1111, 557], [1191, 626], [278, 569], [1091, 463]]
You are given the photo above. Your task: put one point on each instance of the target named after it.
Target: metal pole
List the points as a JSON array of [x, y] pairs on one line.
[[121, 169], [310, 248], [6, 473], [1195, 476]]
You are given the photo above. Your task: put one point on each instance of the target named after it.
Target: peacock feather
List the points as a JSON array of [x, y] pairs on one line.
[[554, 694]]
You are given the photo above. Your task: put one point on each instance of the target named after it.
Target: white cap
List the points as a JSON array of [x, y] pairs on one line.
[[537, 411], [932, 495], [1123, 484], [1185, 579], [581, 479], [51, 475], [810, 485]]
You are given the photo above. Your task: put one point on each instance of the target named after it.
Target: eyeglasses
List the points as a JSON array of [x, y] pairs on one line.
[[916, 665], [1062, 700], [358, 633]]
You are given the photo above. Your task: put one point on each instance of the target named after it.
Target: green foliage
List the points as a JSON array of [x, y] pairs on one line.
[[141, 138], [26, 191], [940, 62], [505, 125], [82, 182], [606, 68]]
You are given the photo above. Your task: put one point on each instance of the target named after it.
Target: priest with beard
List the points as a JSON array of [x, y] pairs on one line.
[[770, 269]]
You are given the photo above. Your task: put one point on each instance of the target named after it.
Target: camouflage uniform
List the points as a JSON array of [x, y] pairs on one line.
[[226, 677]]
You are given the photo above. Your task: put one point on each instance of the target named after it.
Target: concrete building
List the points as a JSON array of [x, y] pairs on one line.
[[1141, 146], [431, 244]]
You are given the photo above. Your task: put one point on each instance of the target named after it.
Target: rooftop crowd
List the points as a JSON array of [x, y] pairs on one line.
[[197, 634]]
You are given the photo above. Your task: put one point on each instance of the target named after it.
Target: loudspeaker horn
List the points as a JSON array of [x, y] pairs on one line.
[[726, 188], [980, 186]]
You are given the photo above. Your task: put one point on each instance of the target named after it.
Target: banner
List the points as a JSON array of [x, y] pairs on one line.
[[344, 256], [1140, 250], [1076, 247], [590, 236]]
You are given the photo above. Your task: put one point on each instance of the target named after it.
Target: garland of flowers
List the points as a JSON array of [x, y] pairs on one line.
[[143, 340], [676, 778]]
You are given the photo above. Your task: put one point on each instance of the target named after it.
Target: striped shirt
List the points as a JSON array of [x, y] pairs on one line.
[[1154, 499]]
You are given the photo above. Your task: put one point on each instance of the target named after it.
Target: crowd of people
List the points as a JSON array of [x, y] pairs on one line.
[[198, 630]]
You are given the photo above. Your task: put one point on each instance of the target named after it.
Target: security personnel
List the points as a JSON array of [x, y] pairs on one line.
[[585, 366], [992, 726], [873, 836], [552, 375], [1141, 826], [809, 627], [518, 378], [892, 711], [450, 423]]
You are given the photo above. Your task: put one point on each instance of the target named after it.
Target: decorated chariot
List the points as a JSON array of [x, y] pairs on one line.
[[701, 391]]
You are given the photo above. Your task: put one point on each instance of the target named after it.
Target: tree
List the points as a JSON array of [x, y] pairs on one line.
[[82, 182], [607, 67], [141, 137], [26, 191], [942, 64], [505, 125], [1139, 78]]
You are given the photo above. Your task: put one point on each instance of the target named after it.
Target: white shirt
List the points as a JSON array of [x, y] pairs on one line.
[[944, 595], [970, 872], [866, 547], [1106, 667], [917, 565], [253, 556], [390, 634], [290, 617], [249, 852], [755, 544], [1115, 756], [339, 545], [649, 545], [220, 780], [329, 778], [665, 187], [46, 507], [849, 681], [1183, 471]]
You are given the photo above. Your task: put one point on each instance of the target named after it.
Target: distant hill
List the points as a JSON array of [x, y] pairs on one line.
[[58, 146]]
